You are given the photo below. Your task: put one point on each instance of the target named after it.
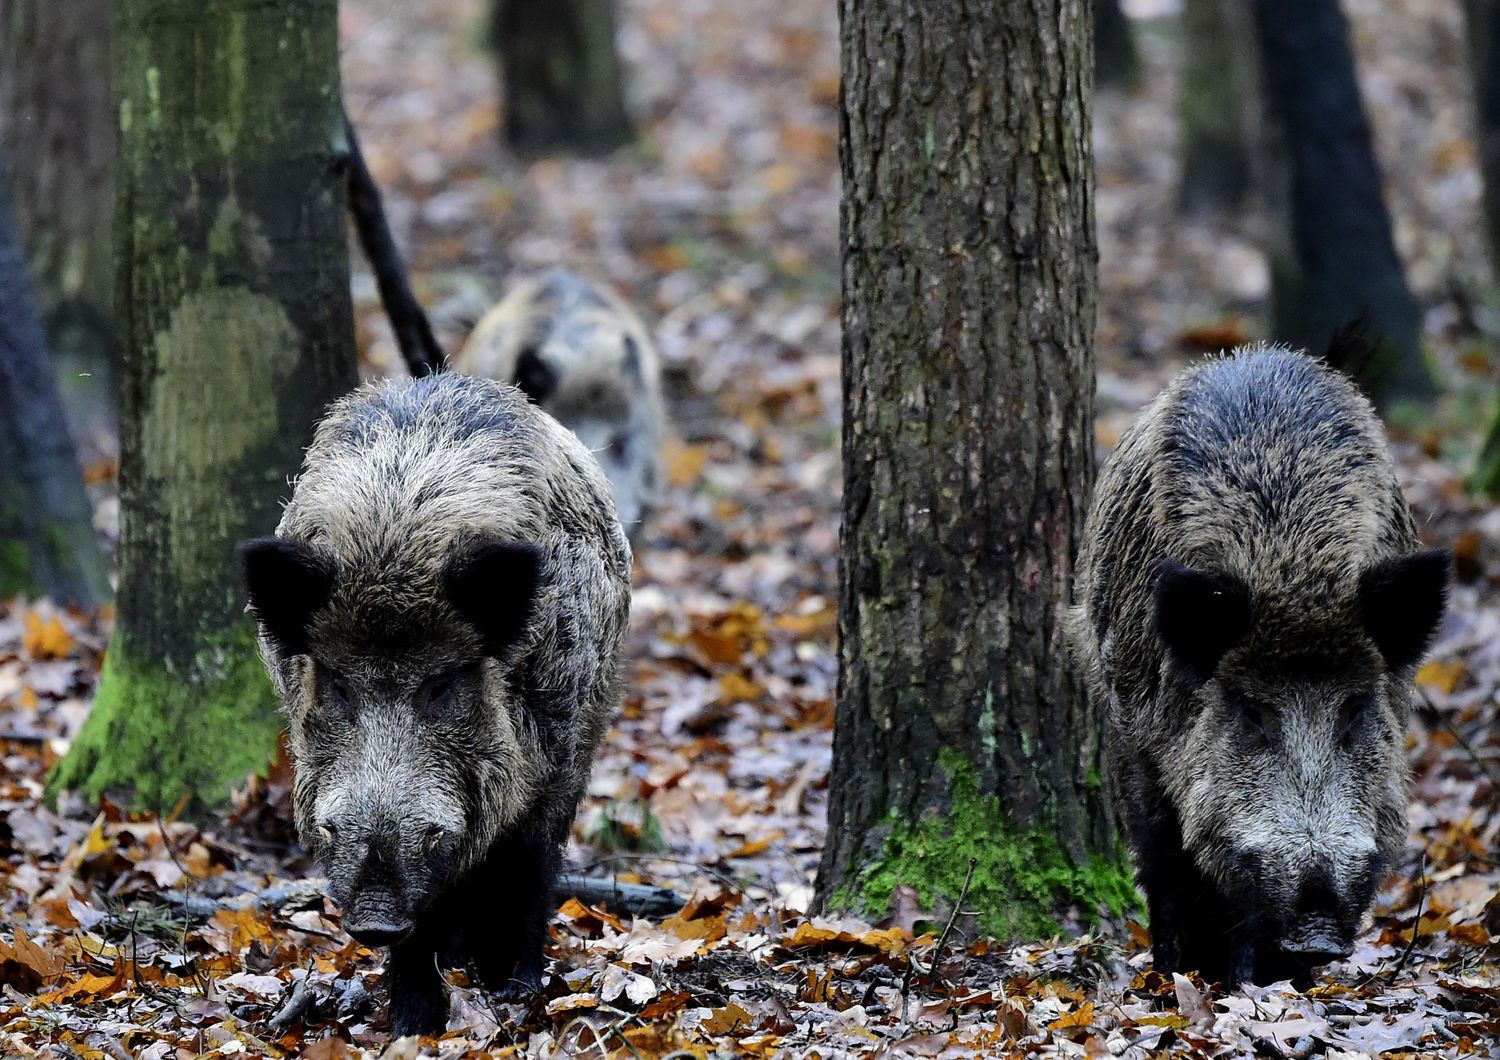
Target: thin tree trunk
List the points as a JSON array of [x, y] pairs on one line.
[[563, 89], [968, 312], [1116, 60], [1484, 49], [1333, 259], [47, 540], [1220, 98], [57, 129], [236, 329]]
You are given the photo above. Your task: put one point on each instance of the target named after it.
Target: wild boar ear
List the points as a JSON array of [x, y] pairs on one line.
[[1401, 601], [493, 585], [534, 376], [1200, 615], [287, 583]]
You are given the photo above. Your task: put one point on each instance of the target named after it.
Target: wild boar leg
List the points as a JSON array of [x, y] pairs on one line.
[[419, 999]]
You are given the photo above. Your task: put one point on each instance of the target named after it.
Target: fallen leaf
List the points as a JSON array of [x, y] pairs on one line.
[[45, 638]]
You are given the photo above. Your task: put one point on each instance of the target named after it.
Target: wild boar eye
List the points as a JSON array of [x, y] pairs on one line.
[[1256, 719], [1353, 712], [438, 693], [340, 697]]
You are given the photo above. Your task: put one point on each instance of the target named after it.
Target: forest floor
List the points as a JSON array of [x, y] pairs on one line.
[[150, 938]]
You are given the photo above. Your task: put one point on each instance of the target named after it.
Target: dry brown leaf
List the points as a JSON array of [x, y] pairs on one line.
[[45, 638]]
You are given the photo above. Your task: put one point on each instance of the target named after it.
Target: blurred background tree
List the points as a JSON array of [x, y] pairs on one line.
[[968, 315], [562, 85], [236, 330], [1219, 105], [47, 540], [1483, 20], [57, 130], [1116, 61], [1333, 259]]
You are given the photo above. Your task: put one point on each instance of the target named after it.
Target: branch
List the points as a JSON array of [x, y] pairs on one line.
[[419, 348], [635, 899]]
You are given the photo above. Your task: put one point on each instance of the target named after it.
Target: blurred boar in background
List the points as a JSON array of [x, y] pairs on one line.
[[580, 353], [442, 610], [1252, 610]]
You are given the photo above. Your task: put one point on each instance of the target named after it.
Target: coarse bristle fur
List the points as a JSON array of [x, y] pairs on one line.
[[577, 350], [442, 610], [1250, 611]]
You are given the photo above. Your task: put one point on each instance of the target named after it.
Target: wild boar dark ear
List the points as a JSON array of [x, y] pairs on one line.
[[1200, 615], [534, 377], [494, 585], [1402, 601], [287, 583]]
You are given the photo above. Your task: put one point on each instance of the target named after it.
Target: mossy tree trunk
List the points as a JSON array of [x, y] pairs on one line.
[[1333, 259], [562, 85], [237, 329], [968, 312], [57, 129], [1218, 109], [47, 540], [1116, 61]]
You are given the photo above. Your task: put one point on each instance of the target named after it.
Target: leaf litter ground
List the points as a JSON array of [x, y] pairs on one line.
[[156, 938]]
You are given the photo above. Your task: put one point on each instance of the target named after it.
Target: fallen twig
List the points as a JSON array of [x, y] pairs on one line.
[[296, 1006], [637, 899], [963, 895]]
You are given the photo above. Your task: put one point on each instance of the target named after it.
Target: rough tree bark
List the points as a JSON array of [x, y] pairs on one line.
[[1333, 259], [1219, 105], [562, 85], [1116, 61], [237, 329], [57, 129], [968, 294], [47, 540]]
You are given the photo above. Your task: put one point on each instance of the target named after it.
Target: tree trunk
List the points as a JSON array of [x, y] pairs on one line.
[[1116, 61], [968, 312], [47, 540], [562, 84], [1332, 257], [57, 129], [1220, 96], [1484, 49], [236, 330]]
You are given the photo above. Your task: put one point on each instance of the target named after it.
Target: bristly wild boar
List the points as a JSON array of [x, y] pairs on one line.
[[442, 611], [1251, 611], [579, 352]]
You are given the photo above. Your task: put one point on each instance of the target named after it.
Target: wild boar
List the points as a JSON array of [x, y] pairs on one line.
[[442, 609], [579, 352], [1251, 609]]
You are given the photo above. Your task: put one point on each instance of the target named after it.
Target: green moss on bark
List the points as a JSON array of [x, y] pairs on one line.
[[1021, 879], [155, 735]]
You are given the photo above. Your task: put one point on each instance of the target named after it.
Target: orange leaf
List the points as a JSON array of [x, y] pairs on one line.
[[45, 639], [755, 846], [1442, 675], [709, 928], [684, 463], [727, 1020], [1081, 1016], [26, 965], [86, 987]]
